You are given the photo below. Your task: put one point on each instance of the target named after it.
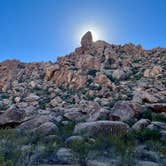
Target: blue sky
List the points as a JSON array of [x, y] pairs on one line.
[[41, 30]]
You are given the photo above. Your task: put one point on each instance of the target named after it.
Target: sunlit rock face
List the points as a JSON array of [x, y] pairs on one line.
[[94, 63], [8, 70]]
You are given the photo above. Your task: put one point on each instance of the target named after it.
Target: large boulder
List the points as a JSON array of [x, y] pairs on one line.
[[144, 96], [74, 140], [50, 71], [146, 163], [118, 74], [74, 114], [56, 101], [101, 114], [157, 126], [153, 72], [32, 98], [12, 117], [36, 122], [113, 128], [8, 72], [124, 110], [157, 107], [141, 124], [47, 128], [65, 155], [87, 40], [103, 80]]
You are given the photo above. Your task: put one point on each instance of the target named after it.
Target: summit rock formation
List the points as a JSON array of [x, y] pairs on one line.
[[100, 89], [87, 40]]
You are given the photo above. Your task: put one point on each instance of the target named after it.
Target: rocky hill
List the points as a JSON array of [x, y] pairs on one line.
[[98, 90]]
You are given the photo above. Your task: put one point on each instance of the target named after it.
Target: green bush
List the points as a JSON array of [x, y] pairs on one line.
[[113, 79], [90, 97], [130, 122], [138, 76], [8, 163], [92, 72], [148, 134], [66, 130], [4, 96], [146, 115], [158, 117], [94, 87], [1, 159]]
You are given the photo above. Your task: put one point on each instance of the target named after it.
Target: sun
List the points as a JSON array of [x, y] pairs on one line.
[[96, 32]]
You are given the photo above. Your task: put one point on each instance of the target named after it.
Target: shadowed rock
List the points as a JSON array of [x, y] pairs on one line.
[[87, 40], [11, 118]]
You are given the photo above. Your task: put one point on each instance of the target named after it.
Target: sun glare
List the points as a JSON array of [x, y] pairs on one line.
[[96, 32]]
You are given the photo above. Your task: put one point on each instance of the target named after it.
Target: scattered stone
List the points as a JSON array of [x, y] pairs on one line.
[[157, 107], [146, 163], [32, 98], [47, 128], [141, 124], [153, 72], [75, 114], [118, 74], [123, 110], [12, 117], [56, 102], [157, 126], [102, 114], [65, 155], [35, 122], [144, 154], [103, 80]]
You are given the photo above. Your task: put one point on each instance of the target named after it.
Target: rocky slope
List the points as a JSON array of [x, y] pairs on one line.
[[98, 90]]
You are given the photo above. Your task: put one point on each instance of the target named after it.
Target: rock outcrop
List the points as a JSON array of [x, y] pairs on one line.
[[100, 100], [87, 40]]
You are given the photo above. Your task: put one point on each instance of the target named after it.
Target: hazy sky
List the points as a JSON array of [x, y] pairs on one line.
[[41, 30]]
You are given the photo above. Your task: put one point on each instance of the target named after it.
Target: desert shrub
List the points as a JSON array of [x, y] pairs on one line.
[[113, 79], [90, 97], [130, 122], [94, 87], [13, 142], [158, 117], [138, 76], [147, 134], [108, 63], [2, 107], [146, 115], [4, 95], [136, 61], [44, 102], [66, 130], [9, 146], [163, 150], [81, 150], [8, 163], [71, 91], [1, 159], [92, 72]]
